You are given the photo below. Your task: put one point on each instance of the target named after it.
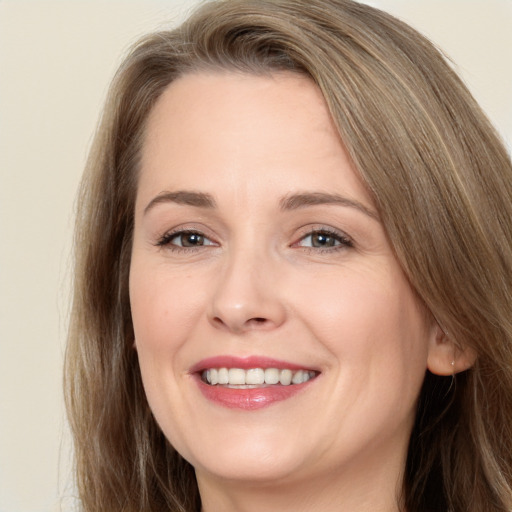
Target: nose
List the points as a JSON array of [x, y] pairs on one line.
[[247, 296]]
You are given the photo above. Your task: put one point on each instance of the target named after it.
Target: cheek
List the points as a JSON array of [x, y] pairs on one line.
[[373, 330], [164, 306], [371, 320], [161, 316], [150, 313]]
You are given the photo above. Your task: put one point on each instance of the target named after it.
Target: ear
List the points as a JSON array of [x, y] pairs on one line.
[[445, 356]]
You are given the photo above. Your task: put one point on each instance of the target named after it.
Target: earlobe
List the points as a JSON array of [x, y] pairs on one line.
[[445, 356]]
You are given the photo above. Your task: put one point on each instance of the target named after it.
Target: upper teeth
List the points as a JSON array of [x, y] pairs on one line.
[[256, 376]]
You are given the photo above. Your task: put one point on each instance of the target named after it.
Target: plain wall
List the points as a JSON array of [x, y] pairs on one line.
[[56, 60]]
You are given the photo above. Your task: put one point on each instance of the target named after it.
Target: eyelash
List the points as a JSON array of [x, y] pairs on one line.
[[343, 240], [166, 240]]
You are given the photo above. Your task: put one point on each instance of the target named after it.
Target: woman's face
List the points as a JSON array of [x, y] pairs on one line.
[[259, 259]]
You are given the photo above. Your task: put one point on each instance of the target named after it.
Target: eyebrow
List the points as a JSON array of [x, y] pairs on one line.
[[287, 203], [302, 200], [184, 197]]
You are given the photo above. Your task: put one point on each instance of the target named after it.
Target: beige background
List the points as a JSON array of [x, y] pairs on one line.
[[56, 59]]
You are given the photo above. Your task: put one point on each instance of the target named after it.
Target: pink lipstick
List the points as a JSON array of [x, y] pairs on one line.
[[252, 382]]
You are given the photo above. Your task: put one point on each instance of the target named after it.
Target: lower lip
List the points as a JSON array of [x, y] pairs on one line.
[[250, 399]]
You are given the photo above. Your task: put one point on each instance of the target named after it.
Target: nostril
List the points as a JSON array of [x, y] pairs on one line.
[[218, 321], [256, 322]]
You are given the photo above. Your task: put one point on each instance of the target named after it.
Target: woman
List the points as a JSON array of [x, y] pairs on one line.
[[294, 273]]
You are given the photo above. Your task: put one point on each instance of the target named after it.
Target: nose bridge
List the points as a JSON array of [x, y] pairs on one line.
[[246, 296]]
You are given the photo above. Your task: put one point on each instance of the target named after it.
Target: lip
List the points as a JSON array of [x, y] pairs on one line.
[[245, 363], [247, 399]]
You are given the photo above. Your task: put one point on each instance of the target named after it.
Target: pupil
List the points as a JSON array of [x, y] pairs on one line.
[[192, 240], [322, 240]]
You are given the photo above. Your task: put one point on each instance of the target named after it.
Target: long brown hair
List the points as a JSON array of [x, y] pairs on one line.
[[441, 180]]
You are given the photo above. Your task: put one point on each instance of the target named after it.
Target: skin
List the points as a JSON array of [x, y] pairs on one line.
[[258, 286]]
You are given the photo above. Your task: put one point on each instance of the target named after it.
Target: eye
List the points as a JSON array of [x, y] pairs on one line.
[[324, 239], [185, 239]]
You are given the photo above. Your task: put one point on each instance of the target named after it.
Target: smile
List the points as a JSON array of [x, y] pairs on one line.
[[251, 383], [255, 377]]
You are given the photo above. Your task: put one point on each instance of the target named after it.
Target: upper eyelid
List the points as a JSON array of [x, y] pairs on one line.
[[309, 230], [341, 240], [166, 238], [304, 232], [188, 228]]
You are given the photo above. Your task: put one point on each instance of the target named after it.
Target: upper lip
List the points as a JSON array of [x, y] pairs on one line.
[[246, 363]]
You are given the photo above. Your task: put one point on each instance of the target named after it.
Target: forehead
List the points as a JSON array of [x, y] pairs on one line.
[[210, 129], [240, 103]]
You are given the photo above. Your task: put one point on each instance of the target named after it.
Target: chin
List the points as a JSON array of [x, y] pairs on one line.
[[252, 457], [263, 470]]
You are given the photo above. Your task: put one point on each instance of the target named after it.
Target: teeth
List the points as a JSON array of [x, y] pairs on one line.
[[222, 376], [236, 376], [271, 376], [256, 376], [298, 377], [213, 376], [286, 377]]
